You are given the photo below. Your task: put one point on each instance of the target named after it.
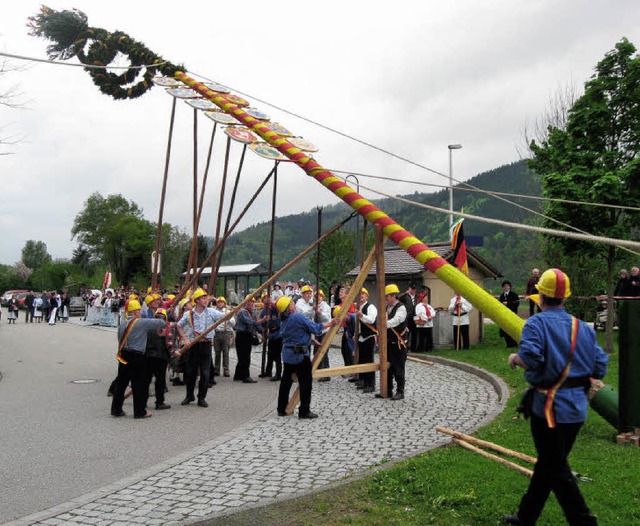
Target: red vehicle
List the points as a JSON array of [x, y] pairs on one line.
[[22, 296], [4, 300]]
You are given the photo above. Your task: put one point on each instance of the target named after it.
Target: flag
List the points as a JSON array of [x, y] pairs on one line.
[[459, 246], [106, 283]]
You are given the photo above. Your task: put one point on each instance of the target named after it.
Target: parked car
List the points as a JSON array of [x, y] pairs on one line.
[[76, 306], [4, 299]]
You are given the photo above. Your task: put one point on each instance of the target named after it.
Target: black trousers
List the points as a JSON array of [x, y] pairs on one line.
[[243, 352], [365, 355], [158, 369], [28, 313], [305, 380], [135, 371], [461, 342], [199, 358], [274, 356], [425, 339], [552, 473], [533, 308], [413, 335], [397, 359]]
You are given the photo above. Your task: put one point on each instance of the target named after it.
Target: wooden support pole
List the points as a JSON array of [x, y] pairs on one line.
[[326, 341], [156, 260], [502, 461], [382, 311], [488, 445]]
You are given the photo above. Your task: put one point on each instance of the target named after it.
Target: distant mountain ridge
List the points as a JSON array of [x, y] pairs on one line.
[[513, 252]]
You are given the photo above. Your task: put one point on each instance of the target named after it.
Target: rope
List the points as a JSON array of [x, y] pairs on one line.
[[529, 228], [90, 66], [491, 192]]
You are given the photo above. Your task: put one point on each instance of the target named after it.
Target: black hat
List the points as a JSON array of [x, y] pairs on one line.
[[506, 282]]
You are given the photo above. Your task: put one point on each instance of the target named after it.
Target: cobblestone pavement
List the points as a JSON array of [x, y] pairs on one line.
[[275, 457]]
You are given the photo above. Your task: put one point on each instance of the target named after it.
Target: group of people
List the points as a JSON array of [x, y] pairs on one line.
[[156, 332], [50, 306], [628, 284]]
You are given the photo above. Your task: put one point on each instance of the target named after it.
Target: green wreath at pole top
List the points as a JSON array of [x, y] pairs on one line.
[[71, 35]]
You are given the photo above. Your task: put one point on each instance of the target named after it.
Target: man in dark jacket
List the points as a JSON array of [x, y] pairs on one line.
[[409, 300], [28, 305], [511, 300]]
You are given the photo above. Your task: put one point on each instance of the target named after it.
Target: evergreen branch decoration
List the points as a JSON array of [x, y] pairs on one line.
[[71, 36]]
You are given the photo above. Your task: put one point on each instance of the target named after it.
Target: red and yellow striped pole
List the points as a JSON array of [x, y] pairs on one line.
[[510, 322]]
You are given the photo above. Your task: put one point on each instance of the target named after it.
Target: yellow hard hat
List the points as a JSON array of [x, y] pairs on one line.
[[554, 283], [149, 290], [306, 288], [133, 305], [321, 293], [161, 312], [171, 296], [364, 291], [391, 289], [198, 294], [149, 298], [221, 298], [250, 297], [282, 303], [133, 296], [336, 311], [183, 301]]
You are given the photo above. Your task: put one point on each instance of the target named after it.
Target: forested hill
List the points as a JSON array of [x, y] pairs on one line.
[[513, 252]]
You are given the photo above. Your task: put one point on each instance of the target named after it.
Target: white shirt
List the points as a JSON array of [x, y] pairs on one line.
[[369, 318], [228, 325], [425, 313], [304, 308], [399, 318], [465, 309]]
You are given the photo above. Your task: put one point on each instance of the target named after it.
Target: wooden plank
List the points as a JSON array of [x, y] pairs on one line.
[[382, 311]]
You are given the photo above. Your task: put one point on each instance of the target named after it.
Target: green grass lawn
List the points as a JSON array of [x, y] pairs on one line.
[[454, 487]]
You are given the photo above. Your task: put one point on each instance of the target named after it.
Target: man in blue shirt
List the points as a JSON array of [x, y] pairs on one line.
[[559, 354], [296, 331], [191, 325]]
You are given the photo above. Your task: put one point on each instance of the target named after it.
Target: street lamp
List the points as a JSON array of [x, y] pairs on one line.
[[451, 148]]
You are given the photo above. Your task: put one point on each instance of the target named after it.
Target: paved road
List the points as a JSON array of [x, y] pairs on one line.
[[236, 454]]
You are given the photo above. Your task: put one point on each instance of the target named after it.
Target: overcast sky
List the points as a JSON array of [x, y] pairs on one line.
[[409, 77]]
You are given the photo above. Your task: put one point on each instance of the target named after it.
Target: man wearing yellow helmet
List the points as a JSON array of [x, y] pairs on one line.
[[246, 327], [133, 366], [396, 342], [559, 354], [366, 314], [158, 356], [296, 331], [192, 324]]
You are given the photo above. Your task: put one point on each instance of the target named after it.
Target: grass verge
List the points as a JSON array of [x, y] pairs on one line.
[[454, 487]]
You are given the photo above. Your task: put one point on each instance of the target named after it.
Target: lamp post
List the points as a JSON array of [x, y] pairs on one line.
[[451, 148], [357, 218]]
